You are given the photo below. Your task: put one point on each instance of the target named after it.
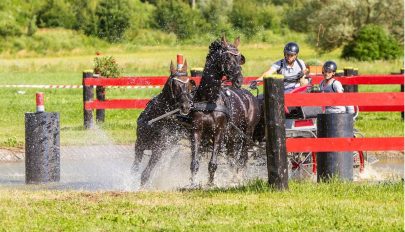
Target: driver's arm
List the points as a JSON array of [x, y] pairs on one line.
[[270, 71]]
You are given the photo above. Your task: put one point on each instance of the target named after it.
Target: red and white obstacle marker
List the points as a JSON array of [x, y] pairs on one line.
[[40, 102]]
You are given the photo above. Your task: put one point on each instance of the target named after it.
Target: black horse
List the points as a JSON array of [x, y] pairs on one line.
[[157, 136], [222, 115]]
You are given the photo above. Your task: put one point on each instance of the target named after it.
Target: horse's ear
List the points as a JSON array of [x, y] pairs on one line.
[[223, 39], [184, 68], [172, 68], [236, 42]]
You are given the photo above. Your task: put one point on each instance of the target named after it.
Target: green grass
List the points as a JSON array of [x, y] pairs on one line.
[[306, 206], [144, 61]]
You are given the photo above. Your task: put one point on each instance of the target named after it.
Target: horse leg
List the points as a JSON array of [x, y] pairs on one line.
[[234, 148], [154, 159], [244, 155], [138, 156], [213, 164], [195, 155], [242, 158]]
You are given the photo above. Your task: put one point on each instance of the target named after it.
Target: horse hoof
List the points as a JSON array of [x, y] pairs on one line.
[[194, 186], [211, 185]]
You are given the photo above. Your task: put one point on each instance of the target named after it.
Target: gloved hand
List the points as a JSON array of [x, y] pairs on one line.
[[300, 75], [253, 85]]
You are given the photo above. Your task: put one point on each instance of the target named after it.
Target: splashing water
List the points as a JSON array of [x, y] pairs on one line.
[[107, 167]]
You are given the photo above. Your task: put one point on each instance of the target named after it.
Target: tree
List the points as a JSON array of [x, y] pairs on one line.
[[243, 16], [333, 23], [215, 13], [372, 43], [56, 13], [178, 17], [112, 19]]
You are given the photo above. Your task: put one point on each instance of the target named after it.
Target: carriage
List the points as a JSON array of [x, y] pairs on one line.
[[301, 123]]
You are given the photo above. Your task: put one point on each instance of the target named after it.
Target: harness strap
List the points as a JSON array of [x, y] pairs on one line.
[[205, 106], [290, 80], [333, 82]]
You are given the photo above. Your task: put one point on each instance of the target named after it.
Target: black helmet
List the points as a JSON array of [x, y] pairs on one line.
[[291, 48], [329, 66]]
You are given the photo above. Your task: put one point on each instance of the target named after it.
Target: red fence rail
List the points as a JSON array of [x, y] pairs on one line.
[[370, 102], [367, 102], [344, 144], [390, 102], [161, 80]]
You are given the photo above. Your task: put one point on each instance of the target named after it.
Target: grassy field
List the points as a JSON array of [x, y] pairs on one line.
[[143, 61], [305, 207]]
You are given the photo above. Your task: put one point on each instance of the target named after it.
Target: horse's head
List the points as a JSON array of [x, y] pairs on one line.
[[180, 88], [229, 60]]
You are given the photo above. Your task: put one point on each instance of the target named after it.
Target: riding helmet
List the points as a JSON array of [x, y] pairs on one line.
[[291, 48], [329, 66]]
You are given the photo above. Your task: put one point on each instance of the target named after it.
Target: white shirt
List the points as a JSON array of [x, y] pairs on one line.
[[290, 73], [335, 87]]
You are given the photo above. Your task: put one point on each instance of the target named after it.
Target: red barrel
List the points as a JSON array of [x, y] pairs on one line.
[[40, 102]]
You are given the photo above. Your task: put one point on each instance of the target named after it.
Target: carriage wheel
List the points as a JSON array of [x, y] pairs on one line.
[[358, 161], [358, 156], [301, 165]]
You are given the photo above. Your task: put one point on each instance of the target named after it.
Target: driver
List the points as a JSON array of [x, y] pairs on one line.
[[292, 68]]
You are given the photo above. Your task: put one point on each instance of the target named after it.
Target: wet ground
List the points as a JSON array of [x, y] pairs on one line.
[[108, 168]]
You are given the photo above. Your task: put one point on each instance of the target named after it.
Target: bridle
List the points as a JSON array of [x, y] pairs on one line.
[[232, 51], [184, 91]]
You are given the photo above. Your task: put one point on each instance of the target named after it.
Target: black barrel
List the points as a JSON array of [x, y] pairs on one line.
[[42, 147], [196, 72], [338, 164], [274, 114], [348, 72], [88, 96], [340, 73]]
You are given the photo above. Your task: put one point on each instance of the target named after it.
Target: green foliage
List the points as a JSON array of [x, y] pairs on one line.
[[270, 17], [51, 42], [56, 13], [372, 43], [178, 17], [243, 16], [139, 37], [8, 28], [84, 12], [32, 26], [252, 17], [331, 24], [107, 66], [112, 19], [215, 14]]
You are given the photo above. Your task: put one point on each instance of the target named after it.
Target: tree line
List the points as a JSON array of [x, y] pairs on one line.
[[328, 24]]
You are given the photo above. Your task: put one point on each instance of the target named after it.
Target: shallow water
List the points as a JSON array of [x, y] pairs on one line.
[[108, 168]]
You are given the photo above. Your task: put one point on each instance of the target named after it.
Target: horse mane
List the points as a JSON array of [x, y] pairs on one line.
[[214, 47]]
